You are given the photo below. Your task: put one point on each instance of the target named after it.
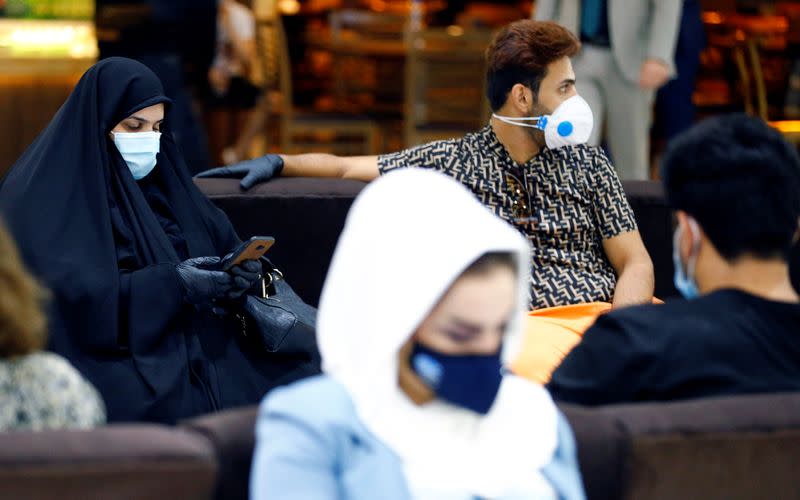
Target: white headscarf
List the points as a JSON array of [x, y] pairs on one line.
[[408, 237]]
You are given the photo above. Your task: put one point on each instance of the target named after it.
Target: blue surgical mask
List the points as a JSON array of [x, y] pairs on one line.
[[469, 381], [684, 280], [139, 150]]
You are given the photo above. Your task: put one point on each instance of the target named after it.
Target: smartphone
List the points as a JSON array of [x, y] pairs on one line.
[[251, 249]]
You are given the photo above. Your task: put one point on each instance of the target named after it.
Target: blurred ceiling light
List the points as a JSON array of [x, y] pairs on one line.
[[289, 7], [50, 38], [712, 17], [454, 30], [378, 5]]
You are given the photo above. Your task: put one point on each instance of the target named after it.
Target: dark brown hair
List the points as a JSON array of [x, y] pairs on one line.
[[491, 260], [22, 322], [521, 52]]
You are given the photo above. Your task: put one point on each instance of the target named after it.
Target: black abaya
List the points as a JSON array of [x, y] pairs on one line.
[[107, 247]]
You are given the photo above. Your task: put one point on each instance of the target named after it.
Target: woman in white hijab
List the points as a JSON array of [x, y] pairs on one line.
[[422, 302]]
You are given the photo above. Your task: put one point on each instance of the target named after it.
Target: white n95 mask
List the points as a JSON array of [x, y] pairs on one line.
[[570, 123], [139, 150]]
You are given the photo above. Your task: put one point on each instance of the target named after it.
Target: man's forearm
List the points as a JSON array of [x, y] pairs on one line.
[[634, 285], [363, 168]]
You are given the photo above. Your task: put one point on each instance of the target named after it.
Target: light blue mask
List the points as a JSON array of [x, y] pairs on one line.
[[684, 280], [139, 150]]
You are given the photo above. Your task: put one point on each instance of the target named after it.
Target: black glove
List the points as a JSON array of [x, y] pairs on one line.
[[250, 171], [202, 282], [245, 275]]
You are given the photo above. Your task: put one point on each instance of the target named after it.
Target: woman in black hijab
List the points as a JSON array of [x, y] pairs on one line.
[[106, 214]]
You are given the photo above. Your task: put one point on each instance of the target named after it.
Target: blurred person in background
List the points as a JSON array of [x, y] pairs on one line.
[[627, 53], [674, 107], [38, 390], [176, 40], [413, 402], [231, 94]]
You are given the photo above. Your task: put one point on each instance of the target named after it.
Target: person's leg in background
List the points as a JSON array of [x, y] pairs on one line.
[[589, 67], [628, 118], [675, 110]]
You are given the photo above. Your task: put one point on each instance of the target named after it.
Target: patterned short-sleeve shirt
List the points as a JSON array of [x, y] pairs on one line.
[[565, 201]]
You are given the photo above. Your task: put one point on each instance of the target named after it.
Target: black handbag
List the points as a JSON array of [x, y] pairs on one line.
[[277, 320]]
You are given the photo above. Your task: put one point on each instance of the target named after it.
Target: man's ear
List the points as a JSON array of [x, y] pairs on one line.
[[687, 236], [692, 235], [521, 98]]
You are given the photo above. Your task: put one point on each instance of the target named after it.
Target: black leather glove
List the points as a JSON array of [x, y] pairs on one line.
[[250, 171], [245, 275], [202, 282]]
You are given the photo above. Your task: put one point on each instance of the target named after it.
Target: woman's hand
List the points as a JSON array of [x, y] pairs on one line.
[[245, 275], [202, 281]]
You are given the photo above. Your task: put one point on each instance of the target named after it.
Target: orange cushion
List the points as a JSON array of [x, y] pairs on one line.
[[551, 333]]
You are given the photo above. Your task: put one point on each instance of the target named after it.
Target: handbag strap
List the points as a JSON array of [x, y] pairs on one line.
[[271, 275]]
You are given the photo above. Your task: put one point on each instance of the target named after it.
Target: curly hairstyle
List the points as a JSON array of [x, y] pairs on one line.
[[23, 324]]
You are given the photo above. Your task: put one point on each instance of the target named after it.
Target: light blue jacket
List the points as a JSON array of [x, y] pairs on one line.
[[310, 444]]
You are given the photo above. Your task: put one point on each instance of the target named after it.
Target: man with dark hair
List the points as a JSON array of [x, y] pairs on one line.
[[530, 167], [735, 186]]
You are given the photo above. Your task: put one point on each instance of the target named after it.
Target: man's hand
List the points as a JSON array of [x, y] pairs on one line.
[[654, 74], [250, 171]]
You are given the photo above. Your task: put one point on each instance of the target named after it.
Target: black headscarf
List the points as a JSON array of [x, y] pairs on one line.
[[107, 247]]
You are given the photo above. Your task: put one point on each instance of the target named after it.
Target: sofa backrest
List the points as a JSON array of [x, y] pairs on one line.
[[306, 215], [114, 462], [727, 447], [735, 447]]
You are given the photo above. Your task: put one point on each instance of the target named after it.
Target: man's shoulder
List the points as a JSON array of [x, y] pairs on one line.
[[477, 140], [671, 317], [580, 152], [591, 160], [444, 154], [428, 150]]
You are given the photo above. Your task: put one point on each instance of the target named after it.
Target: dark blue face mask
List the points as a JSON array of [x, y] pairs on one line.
[[470, 381]]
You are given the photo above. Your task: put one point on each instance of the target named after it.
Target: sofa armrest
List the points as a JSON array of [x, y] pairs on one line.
[[232, 434]]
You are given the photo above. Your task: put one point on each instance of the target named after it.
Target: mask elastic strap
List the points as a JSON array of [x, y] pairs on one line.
[[541, 121]]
